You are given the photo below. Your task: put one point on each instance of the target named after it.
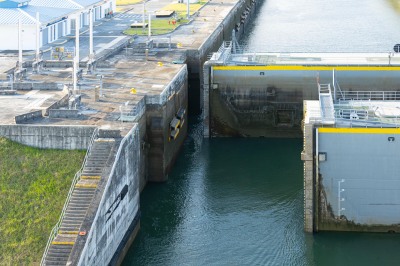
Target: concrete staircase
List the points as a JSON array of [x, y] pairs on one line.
[[78, 205]]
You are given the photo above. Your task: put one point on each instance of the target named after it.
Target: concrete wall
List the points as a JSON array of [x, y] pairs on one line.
[[307, 156], [162, 152], [359, 188], [197, 58], [119, 206], [256, 101], [49, 137], [19, 119], [11, 31]]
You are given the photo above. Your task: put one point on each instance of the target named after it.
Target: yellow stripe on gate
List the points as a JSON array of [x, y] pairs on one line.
[[359, 130], [308, 68]]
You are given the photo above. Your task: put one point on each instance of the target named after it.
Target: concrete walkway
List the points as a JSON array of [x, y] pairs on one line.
[[108, 33]]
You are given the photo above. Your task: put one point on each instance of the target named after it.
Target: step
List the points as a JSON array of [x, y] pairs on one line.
[[71, 220], [82, 193], [90, 176], [75, 214], [82, 196], [104, 149], [76, 209], [59, 253], [57, 260], [76, 202], [64, 240], [92, 173], [55, 263], [70, 228], [95, 163], [102, 157]]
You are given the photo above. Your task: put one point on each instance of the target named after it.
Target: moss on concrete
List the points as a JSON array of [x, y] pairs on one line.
[[33, 186]]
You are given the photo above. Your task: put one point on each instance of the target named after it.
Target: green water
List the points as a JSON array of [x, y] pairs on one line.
[[240, 202]]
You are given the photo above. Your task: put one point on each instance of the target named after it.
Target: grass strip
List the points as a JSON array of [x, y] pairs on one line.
[[166, 25], [34, 184]]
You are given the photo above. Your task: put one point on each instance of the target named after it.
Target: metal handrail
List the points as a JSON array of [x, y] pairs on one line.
[[77, 176], [370, 95]]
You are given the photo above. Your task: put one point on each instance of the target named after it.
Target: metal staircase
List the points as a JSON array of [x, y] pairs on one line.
[[66, 231], [326, 104]]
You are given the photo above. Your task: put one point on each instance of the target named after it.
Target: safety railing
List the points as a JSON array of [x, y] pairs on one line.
[[320, 59], [352, 114], [77, 177], [224, 52], [370, 96], [366, 114]]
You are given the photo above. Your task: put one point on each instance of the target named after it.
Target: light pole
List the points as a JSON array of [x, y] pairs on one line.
[[37, 37], [188, 9], [144, 15], [76, 59], [91, 35], [19, 45], [149, 36]]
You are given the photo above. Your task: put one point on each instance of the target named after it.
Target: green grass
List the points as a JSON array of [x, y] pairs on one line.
[[34, 184], [164, 25], [128, 2], [158, 26]]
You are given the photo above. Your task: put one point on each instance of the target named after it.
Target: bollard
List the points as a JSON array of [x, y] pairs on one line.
[[96, 93]]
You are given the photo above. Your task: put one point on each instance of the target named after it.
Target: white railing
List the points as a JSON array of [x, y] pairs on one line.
[[351, 114], [77, 177], [370, 96]]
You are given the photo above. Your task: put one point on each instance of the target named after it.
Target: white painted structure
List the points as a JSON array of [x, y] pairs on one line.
[[56, 17]]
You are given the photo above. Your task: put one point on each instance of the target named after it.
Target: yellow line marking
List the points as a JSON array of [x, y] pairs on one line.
[[359, 130], [90, 177], [308, 68], [63, 243], [86, 185], [68, 232]]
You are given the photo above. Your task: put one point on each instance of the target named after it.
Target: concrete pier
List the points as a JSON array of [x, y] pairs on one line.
[[350, 164]]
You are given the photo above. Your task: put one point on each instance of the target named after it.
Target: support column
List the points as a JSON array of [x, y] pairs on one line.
[[19, 45], [91, 55], [307, 157], [76, 59], [206, 99], [37, 37], [149, 25]]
